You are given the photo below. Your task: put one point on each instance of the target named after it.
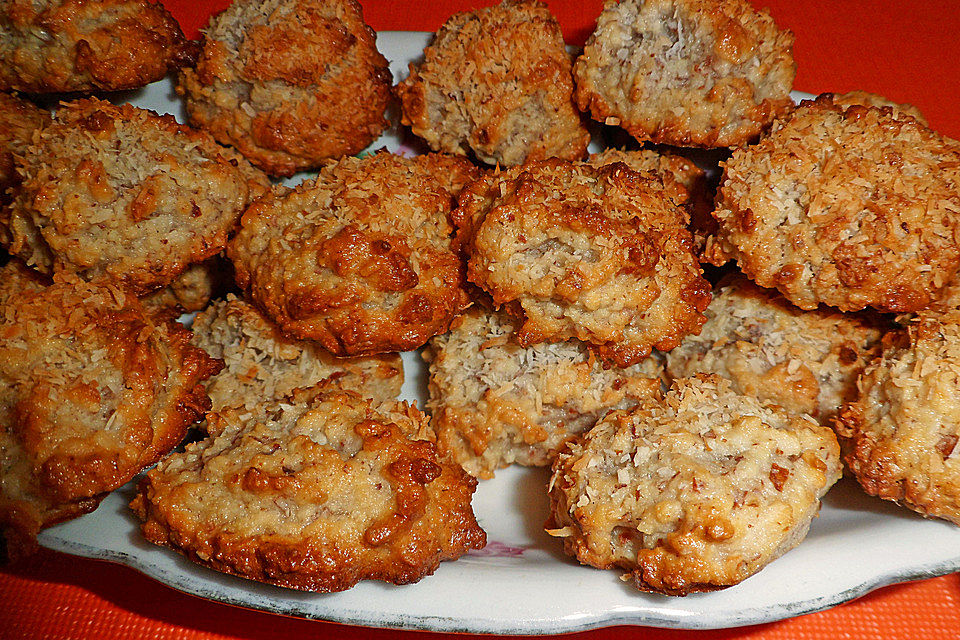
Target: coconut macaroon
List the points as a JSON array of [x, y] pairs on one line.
[[122, 194], [846, 206], [315, 492], [261, 365], [358, 259], [600, 254], [92, 391], [496, 81], [696, 491], [900, 435], [495, 403], [707, 73], [805, 361], [289, 83], [87, 45], [868, 99], [19, 120]]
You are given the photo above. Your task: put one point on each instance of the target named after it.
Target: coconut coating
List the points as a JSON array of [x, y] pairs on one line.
[[92, 391], [696, 491], [495, 403], [125, 195], [900, 435], [496, 81], [316, 492], [846, 206], [575, 251], [805, 361], [19, 120], [88, 45], [262, 365], [289, 82], [358, 259], [868, 99], [708, 73]]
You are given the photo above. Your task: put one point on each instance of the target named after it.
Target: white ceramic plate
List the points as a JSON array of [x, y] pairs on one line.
[[522, 583]]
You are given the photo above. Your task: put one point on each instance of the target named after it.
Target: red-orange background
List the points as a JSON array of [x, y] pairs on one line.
[[905, 50]]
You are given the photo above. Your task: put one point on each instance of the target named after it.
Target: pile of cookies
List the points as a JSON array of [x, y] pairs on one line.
[[693, 421]]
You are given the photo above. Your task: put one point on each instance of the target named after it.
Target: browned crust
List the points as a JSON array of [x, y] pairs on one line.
[[86, 45], [289, 83]]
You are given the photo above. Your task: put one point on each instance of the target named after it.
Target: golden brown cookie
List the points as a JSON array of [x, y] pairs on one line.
[[261, 365], [805, 361], [900, 435], [92, 391], [88, 45], [696, 491], [316, 492], [358, 259], [19, 120], [846, 206], [124, 195], [707, 73], [496, 81], [495, 403], [868, 99], [601, 254], [289, 82]]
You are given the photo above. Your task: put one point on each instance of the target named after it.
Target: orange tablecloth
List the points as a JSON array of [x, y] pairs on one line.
[[905, 50]]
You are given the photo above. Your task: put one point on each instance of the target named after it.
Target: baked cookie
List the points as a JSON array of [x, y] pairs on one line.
[[19, 120], [696, 491], [575, 251], [496, 81], [92, 391], [846, 206], [495, 403], [805, 361], [261, 365], [358, 259], [706, 73], [868, 99], [88, 45], [289, 83], [900, 436], [122, 194], [316, 492]]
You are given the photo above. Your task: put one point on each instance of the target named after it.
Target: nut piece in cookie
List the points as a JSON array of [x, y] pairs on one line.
[[496, 81], [900, 436], [696, 491], [262, 365], [706, 73], [289, 82], [125, 195], [92, 391], [316, 492], [495, 403], [87, 45], [805, 361], [192, 290], [358, 259], [601, 254], [846, 206]]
